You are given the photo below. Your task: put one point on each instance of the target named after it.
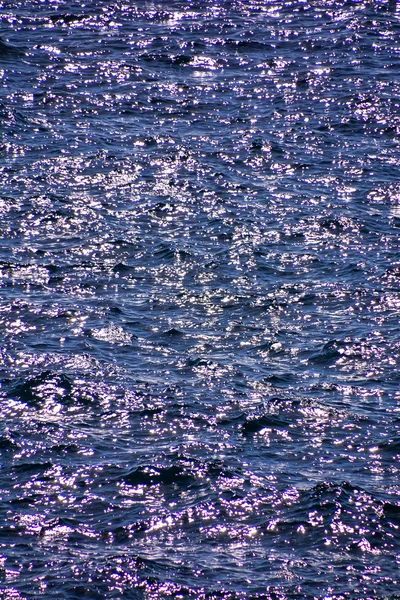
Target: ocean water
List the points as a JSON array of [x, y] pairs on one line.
[[199, 301]]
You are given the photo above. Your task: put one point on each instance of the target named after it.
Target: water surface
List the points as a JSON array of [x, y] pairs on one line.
[[200, 305]]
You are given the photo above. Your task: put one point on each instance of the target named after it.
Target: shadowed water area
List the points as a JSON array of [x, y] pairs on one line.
[[199, 299]]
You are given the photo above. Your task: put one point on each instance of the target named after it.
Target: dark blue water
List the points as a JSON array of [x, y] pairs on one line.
[[200, 308]]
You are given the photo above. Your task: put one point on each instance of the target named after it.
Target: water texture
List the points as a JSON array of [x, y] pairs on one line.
[[199, 271]]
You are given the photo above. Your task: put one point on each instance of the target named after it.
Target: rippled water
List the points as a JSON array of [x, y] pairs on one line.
[[200, 217]]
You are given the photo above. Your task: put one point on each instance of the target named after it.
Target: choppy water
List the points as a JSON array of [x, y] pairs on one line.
[[200, 218]]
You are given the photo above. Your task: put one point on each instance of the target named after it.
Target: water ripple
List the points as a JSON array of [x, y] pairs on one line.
[[199, 300]]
